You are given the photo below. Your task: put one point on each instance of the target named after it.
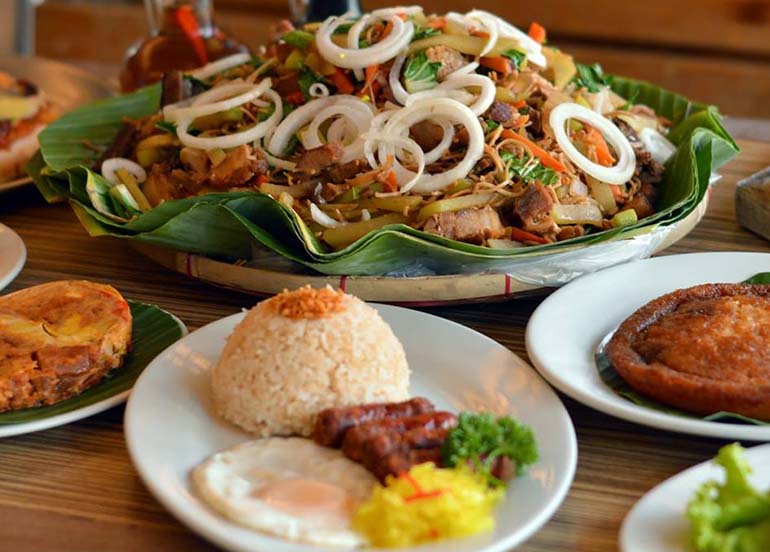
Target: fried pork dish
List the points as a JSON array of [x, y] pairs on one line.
[[703, 349], [460, 125], [24, 112], [59, 339]]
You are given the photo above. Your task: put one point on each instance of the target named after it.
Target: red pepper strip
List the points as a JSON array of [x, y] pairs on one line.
[[342, 82], [185, 18], [603, 154], [391, 185], [295, 98], [519, 104], [262, 178], [423, 495], [498, 64], [520, 235], [406, 475], [545, 158], [537, 32]]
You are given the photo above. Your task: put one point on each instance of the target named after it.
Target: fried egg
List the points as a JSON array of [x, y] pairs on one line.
[[288, 487]]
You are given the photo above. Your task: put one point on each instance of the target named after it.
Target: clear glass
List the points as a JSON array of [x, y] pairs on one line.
[[182, 36]]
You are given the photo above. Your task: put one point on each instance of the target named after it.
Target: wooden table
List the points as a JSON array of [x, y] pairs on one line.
[[73, 487]]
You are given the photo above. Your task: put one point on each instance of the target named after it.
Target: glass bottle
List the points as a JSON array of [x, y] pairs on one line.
[[182, 36], [303, 11]]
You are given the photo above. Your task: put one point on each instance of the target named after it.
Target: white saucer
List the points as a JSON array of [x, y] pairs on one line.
[[657, 522], [13, 255], [565, 331]]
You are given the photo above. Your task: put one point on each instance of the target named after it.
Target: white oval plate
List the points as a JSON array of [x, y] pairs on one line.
[[171, 426], [565, 331], [9, 430], [13, 255], [657, 522]]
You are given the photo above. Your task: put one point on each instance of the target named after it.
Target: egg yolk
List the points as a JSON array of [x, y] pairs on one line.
[[305, 498]]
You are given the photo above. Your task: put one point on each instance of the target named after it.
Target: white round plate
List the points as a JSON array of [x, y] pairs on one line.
[[9, 430], [171, 426], [565, 331], [657, 522], [13, 255]]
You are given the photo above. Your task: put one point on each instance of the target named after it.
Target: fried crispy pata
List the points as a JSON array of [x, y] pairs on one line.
[[703, 349], [59, 339]]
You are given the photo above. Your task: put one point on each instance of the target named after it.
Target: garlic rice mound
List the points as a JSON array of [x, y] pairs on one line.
[[302, 351]]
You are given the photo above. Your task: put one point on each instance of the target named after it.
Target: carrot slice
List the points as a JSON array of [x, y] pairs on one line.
[[603, 154], [545, 158], [523, 236], [342, 82], [537, 32], [439, 24], [498, 64]]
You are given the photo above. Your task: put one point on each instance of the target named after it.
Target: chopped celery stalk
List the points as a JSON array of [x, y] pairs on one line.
[[319, 65], [121, 194], [504, 244], [503, 94], [216, 156], [130, 182], [344, 235], [164, 140], [624, 218], [397, 204], [454, 204], [298, 38], [465, 44], [286, 199], [294, 60], [582, 101], [459, 186], [561, 65], [348, 196], [146, 157], [276, 190], [217, 119], [602, 193], [586, 213]]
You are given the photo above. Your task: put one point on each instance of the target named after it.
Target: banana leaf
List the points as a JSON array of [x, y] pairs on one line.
[[227, 225], [153, 330]]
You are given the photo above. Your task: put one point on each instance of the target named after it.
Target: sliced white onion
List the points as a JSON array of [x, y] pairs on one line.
[[112, 165], [232, 140], [394, 80], [304, 115], [318, 90], [211, 69], [365, 214], [490, 23], [359, 58], [211, 101], [322, 218], [341, 130], [394, 146], [397, 10], [658, 145], [622, 171], [274, 161], [453, 84], [357, 113], [446, 141], [531, 47], [398, 125]]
